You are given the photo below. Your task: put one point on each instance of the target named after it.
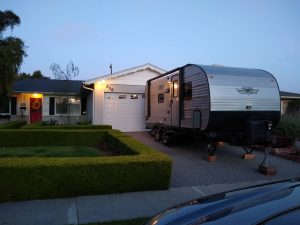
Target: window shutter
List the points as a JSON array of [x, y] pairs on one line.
[[51, 105], [83, 105], [13, 105]]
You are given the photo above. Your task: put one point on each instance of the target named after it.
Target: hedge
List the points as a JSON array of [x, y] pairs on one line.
[[67, 127], [13, 124], [40, 178]]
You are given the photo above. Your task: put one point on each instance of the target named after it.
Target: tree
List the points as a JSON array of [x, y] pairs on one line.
[[71, 71], [38, 75], [12, 51]]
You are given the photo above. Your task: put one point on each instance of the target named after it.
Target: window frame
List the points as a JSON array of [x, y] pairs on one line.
[[69, 113], [185, 96]]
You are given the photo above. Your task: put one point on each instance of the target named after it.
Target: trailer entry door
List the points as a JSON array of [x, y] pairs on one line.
[[175, 101]]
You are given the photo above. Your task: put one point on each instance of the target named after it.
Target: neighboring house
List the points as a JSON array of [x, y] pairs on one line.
[[119, 97], [286, 99], [42, 99]]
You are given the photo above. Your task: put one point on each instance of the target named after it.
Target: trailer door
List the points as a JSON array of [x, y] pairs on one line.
[[175, 101]]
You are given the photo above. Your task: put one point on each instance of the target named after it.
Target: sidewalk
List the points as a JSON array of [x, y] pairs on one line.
[[89, 209]]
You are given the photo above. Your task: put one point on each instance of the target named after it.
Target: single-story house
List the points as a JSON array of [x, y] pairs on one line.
[[116, 99], [286, 99], [64, 101]]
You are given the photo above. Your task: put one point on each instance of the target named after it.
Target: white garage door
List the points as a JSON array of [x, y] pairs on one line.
[[124, 112]]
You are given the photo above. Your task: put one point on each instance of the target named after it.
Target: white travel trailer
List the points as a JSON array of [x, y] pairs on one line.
[[235, 105]]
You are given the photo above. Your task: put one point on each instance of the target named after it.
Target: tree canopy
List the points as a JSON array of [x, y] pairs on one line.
[[12, 52]]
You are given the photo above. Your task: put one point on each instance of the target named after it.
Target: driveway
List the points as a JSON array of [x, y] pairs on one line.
[[191, 169]]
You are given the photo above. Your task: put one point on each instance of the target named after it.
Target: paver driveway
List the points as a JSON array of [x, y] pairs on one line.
[[191, 169]]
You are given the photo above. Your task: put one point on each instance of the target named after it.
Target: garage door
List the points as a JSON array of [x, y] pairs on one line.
[[124, 112]]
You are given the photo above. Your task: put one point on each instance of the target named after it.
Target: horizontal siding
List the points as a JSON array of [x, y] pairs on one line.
[[226, 97], [200, 97]]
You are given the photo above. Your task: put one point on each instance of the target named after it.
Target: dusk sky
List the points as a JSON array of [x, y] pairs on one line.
[[261, 34]]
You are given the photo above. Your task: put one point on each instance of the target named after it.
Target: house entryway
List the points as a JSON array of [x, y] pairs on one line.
[[35, 110]]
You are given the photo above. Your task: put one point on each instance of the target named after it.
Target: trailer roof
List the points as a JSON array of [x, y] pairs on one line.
[[232, 71]]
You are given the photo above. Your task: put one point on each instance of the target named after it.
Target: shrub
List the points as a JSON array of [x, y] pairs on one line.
[[13, 124], [38, 178], [288, 126]]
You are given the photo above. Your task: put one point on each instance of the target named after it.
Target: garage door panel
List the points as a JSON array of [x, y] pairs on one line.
[[123, 112]]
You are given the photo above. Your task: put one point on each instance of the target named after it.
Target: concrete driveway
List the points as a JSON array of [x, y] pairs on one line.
[[191, 169]]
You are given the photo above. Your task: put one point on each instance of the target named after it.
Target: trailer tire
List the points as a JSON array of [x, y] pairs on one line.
[[166, 140], [152, 131]]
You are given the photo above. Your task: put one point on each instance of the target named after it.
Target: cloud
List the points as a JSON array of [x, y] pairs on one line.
[[287, 57]]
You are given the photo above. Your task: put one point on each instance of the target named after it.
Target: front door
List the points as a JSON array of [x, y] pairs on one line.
[[175, 101], [35, 110]]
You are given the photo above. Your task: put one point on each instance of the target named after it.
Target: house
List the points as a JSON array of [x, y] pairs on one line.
[[286, 99], [41, 99], [118, 98]]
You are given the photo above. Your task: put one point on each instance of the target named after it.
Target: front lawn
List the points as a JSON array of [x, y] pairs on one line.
[[50, 151]]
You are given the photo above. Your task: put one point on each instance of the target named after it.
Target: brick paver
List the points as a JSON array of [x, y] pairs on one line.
[[191, 169]]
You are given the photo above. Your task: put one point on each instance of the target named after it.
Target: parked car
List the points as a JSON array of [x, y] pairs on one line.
[[274, 203]]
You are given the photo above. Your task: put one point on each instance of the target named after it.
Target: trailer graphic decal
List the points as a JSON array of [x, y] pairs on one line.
[[247, 91]]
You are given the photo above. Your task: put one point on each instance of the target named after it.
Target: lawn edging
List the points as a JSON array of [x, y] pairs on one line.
[[38, 125], [40, 178]]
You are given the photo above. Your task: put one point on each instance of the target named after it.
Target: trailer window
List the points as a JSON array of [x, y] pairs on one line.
[[175, 88], [187, 93], [161, 98]]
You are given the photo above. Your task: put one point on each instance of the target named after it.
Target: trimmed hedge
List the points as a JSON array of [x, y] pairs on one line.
[[13, 124], [67, 127], [39, 178]]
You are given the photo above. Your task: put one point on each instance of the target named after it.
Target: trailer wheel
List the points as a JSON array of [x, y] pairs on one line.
[[152, 131], [166, 139], [159, 133], [211, 148]]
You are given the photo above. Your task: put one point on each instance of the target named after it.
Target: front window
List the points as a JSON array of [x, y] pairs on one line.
[[68, 105]]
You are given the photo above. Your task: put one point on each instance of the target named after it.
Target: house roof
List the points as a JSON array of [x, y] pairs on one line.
[[48, 86], [126, 72], [289, 95]]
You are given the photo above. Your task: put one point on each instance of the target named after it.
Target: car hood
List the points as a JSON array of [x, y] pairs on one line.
[[251, 205]]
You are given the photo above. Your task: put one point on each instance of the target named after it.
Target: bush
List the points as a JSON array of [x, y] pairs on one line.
[[13, 124], [288, 126], [66, 127], [38, 178]]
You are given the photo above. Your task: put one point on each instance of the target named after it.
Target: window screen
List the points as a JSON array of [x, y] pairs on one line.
[[187, 92], [161, 98]]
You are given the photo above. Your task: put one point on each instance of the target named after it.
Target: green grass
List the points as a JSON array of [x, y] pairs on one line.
[[138, 221], [46, 151]]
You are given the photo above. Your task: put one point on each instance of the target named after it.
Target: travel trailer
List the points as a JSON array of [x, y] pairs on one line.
[[234, 105]]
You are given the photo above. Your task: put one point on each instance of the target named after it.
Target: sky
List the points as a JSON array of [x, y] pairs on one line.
[[262, 34]]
